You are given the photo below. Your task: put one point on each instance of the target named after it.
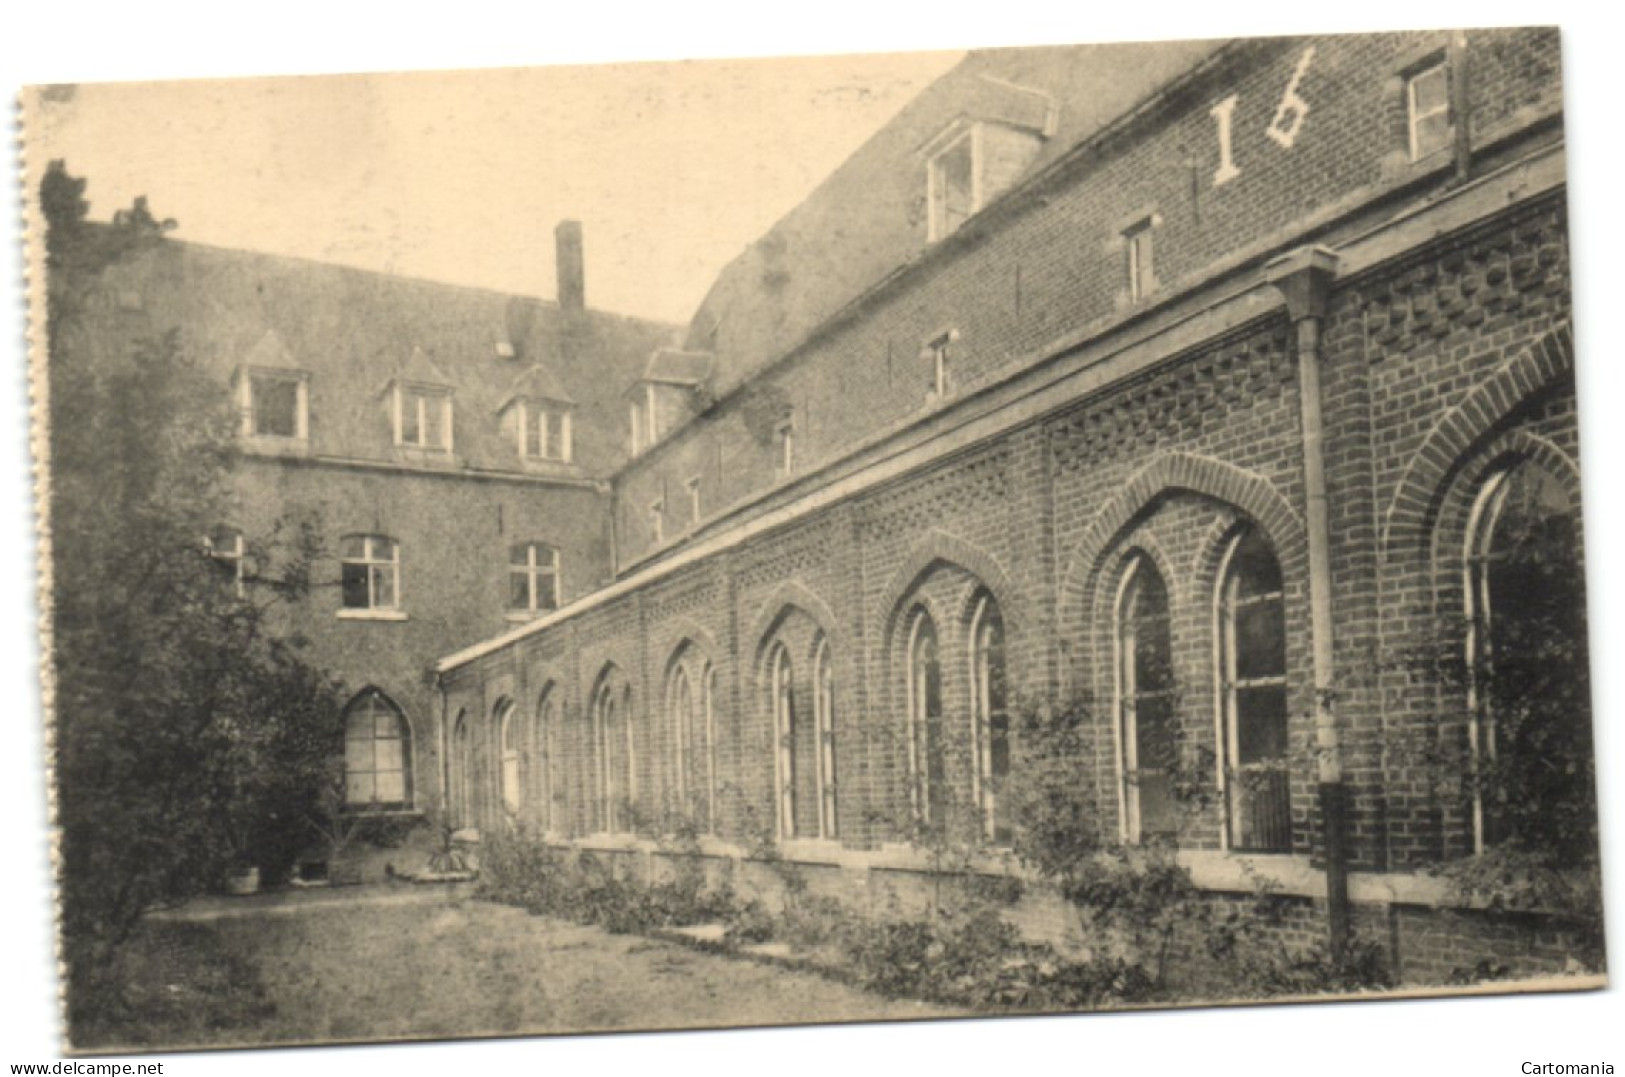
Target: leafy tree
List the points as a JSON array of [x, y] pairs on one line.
[[188, 731]]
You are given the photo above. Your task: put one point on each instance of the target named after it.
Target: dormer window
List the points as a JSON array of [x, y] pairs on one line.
[[275, 404], [423, 417], [544, 432], [953, 184]]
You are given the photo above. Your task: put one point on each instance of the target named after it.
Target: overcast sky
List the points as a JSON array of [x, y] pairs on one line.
[[460, 176]]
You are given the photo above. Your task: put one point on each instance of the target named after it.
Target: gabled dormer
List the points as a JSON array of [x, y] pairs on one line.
[[418, 403], [669, 393], [539, 416], [273, 399], [974, 158]]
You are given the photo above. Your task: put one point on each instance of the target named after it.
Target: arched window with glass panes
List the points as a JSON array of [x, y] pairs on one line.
[[1252, 691], [824, 728], [927, 765], [513, 795], [781, 681], [990, 715], [1145, 704], [377, 755], [1529, 726]]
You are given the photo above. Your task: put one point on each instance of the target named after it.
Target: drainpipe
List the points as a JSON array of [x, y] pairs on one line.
[[1304, 277], [445, 765]]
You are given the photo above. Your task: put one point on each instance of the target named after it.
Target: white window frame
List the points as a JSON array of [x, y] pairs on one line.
[[374, 610], [534, 570], [536, 423], [1139, 254], [372, 701], [781, 685], [420, 399], [1413, 118], [1126, 643], [787, 449], [936, 223], [543, 758], [981, 726], [301, 407], [937, 352], [693, 488], [922, 796], [235, 557], [513, 793], [680, 712], [824, 732], [657, 521], [1227, 682]]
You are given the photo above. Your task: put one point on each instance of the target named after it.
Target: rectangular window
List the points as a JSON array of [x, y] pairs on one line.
[[1142, 278], [424, 418], [657, 520], [370, 572], [693, 501], [787, 450], [533, 578], [276, 405], [546, 433], [937, 354], [1427, 109], [952, 186]]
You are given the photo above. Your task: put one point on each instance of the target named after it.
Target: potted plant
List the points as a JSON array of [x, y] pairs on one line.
[[336, 826]]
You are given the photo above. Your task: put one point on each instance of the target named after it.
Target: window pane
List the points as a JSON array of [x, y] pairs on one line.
[[555, 437], [354, 586], [276, 405], [359, 788], [388, 755], [383, 586], [547, 591], [1260, 724], [434, 422], [1255, 567], [352, 548], [519, 589], [1430, 91], [411, 430], [1260, 640], [391, 787], [383, 549], [955, 189]]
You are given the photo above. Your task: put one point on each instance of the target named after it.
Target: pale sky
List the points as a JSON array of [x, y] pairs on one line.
[[672, 168]]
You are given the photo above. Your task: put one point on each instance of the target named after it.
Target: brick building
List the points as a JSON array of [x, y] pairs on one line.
[[450, 447], [1204, 383]]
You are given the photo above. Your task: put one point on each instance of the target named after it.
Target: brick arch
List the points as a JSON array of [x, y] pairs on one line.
[[677, 633], [1174, 472], [1416, 497], [938, 547], [787, 595]]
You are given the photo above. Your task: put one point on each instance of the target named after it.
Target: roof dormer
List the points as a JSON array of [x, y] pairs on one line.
[[419, 402], [539, 415], [982, 150]]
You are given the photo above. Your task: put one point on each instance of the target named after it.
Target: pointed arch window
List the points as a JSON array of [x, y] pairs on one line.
[[1252, 684], [1528, 683], [990, 715], [824, 724], [616, 778], [708, 719], [545, 719], [513, 797], [782, 680], [927, 766], [377, 755], [1145, 704], [680, 710]]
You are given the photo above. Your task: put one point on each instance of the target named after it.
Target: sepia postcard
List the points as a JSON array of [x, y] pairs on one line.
[[876, 537]]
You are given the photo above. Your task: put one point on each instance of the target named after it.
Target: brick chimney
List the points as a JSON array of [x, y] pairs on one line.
[[572, 283]]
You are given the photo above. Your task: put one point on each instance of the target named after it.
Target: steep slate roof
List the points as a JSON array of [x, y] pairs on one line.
[[868, 218], [355, 331]]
